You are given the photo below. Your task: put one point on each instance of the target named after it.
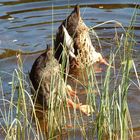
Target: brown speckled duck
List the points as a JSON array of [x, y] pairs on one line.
[[74, 29], [73, 38], [45, 70]]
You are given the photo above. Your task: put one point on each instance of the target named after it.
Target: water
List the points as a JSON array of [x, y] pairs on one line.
[[28, 25]]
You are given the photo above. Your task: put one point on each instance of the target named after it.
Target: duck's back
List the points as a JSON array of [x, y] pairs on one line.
[[43, 69]]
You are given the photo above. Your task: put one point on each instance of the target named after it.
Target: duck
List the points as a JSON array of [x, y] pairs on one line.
[[77, 33], [44, 70]]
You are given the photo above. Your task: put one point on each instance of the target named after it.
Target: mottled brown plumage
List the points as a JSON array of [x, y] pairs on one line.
[[43, 70], [47, 79], [84, 51]]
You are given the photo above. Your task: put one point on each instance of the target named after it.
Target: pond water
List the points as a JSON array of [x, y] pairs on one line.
[[28, 25]]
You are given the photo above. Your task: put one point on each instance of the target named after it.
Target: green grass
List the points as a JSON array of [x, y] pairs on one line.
[[111, 119]]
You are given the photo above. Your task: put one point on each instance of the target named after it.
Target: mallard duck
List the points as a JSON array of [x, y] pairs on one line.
[[45, 70], [74, 29]]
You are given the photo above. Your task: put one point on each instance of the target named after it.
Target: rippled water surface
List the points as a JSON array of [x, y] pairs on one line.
[[28, 25]]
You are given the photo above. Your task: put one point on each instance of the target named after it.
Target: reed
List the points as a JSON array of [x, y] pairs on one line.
[[114, 120]]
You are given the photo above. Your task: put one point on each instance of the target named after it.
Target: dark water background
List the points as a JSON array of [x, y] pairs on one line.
[[28, 25]]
